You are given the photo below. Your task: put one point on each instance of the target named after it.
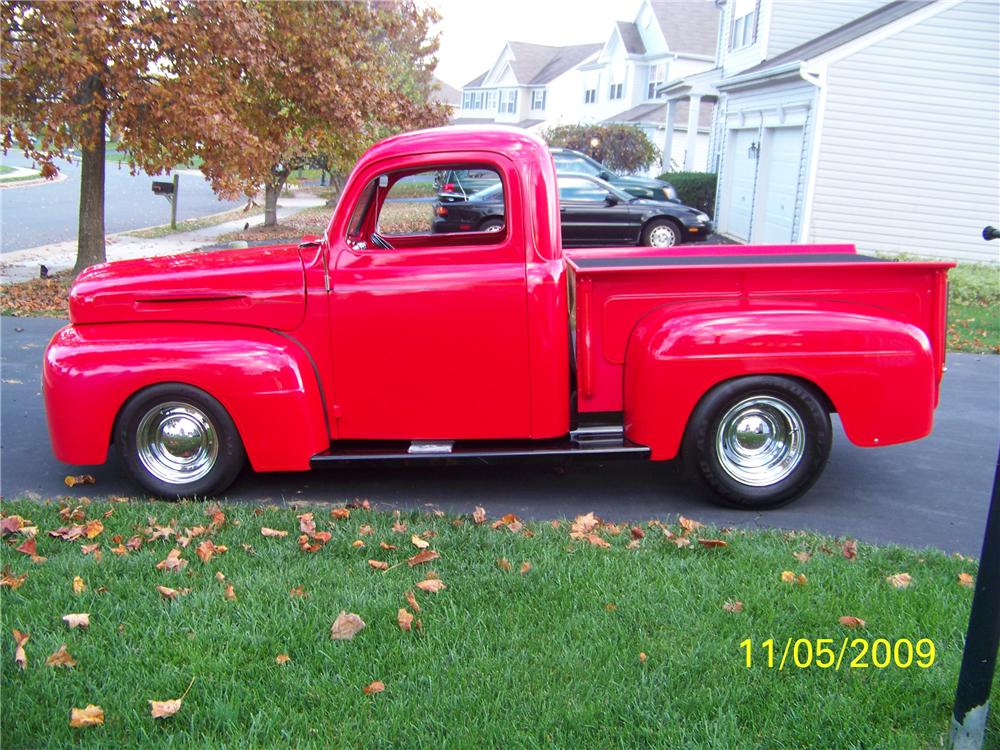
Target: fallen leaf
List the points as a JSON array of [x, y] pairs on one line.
[[67, 533], [357, 544], [412, 601], [305, 546], [207, 549], [525, 567], [229, 593], [134, 543], [375, 687], [29, 547], [900, 580], [681, 542], [801, 556], [850, 549], [419, 543], [365, 530], [77, 620], [7, 578], [634, 544], [79, 586], [72, 481], [378, 564], [264, 531], [164, 709], [597, 541], [733, 606], [422, 557], [688, 525], [432, 585], [583, 525], [10, 525], [504, 564], [93, 528], [712, 543], [346, 626], [298, 591], [173, 561], [479, 515], [322, 536], [964, 579], [611, 607], [642, 657], [61, 658], [86, 717], [282, 659], [399, 527], [20, 657], [637, 533], [220, 576], [383, 545], [307, 525], [404, 619], [340, 514], [168, 593], [119, 550], [852, 622], [88, 549], [787, 576]]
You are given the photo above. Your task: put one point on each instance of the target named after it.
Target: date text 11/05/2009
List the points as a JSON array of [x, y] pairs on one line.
[[852, 653]]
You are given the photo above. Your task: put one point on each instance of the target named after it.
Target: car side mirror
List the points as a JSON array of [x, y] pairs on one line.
[[611, 199], [606, 176]]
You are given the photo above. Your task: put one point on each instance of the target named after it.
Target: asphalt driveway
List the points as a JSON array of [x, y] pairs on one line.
[[934, 492]]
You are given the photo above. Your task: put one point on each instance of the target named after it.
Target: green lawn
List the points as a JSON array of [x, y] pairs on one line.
[[974, 308], [5, 169], [547, 658]]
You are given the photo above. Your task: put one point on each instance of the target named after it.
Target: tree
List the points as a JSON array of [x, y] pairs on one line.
[[621, 148], [342, 75], [165, 72]]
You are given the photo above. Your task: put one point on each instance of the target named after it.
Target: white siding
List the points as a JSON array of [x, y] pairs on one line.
[[733, 61], [795, 22], [910, 152]]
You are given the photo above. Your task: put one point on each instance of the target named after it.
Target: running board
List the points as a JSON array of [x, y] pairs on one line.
[[480, 451]]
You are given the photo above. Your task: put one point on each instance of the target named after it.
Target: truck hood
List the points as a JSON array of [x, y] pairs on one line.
[[260, 286]]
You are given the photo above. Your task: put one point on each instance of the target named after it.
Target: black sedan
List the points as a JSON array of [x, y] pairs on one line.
[[592, 213], [573, 162]]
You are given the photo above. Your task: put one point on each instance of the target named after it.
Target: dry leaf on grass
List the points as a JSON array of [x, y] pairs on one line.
[[79, 586], [637, 533], [404, 619], [365, 530], [298, 591], [583, 525], [422, 557], [166, 709], [688, 525], [712, 543], [801, 556], [642, 657], [964, 579], [90, 548], [504, 564], [20, 657], [340, 514], [788, 576], [379, 564], [229, 593], [419, 543], [412, 601], [432, 585], [852, 622], [282, 659], [173, 561], [479, 515], [733, 606], [346, 626], [307, 524], [86, 717], [61, 658], [220, 576], [383, 545], [77, 620], [597, 541], [681, 541], [72, 481], [28, 547], [900, 580], [92, 529], [375, 687], [169, 593], [525, 567], [850, 549], [264, 531], [357, 544], [8, 579], [207, 549]]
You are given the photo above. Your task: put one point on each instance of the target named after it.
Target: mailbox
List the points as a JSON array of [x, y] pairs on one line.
[[163, 188]]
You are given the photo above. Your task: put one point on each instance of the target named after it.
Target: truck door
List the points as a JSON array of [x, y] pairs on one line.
[[429, 317]]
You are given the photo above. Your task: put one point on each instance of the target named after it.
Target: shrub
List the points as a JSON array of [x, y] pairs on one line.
[[620, 148], [695, 189]]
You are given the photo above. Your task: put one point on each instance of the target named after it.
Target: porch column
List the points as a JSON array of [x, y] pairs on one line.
[[668, 138], [694, 109]]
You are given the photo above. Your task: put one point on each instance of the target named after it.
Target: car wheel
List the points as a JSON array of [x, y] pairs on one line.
[[661, 233], [758, 442], [177, 441], [492, 225]]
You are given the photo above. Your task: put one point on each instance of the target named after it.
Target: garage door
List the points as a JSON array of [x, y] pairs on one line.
[[742, 168], [779, 181]]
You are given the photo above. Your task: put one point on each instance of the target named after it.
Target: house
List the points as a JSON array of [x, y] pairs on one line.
[[667, 39], [443, 93], [863, 122], [529, 85]]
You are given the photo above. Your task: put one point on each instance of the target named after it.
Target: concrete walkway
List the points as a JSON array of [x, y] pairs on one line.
[[23, 265]]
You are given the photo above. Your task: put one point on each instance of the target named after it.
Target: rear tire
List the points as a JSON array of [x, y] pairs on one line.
[[661, 233], [492, 225], [177, 441], [758, 442]]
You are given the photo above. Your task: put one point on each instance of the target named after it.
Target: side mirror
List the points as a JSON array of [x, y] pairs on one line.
[[991, 233], [611, 199], [606, 176]]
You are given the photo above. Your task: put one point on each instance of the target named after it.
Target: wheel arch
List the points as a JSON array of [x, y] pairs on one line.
[[678, 226]]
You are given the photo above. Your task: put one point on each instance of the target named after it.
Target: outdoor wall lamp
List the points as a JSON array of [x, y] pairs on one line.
[[754, 151]]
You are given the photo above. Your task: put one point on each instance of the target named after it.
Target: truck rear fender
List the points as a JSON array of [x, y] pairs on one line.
[[877, 372], [264, 379]]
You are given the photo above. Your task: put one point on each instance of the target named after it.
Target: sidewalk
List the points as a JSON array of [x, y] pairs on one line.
[[23, 265]]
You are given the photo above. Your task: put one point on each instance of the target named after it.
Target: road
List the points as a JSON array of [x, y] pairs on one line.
[[46, 213], [932, 493]]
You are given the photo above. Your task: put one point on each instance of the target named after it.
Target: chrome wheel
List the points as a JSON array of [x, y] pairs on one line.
[[177, 442], [663, 235], [493, 227], [760, 441]]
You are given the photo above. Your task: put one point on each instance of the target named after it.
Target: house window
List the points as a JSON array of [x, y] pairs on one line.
[[657, 75], [467, 100], [590, 96], [617, 91], [538, 99], [491, 101], [744, 31], [508, 101]]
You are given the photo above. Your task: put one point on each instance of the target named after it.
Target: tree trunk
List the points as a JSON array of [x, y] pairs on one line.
[[90, 241], [271, 193]]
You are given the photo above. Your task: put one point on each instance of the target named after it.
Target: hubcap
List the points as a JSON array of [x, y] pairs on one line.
[[662, 236], [493, 228], [760, 441], [176, 443]]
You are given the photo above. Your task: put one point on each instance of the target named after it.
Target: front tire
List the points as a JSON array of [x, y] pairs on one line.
[[661, 233], [758, 442], [177, 441]]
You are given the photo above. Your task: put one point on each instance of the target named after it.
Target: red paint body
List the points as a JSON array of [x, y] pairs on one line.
[[461, 337]]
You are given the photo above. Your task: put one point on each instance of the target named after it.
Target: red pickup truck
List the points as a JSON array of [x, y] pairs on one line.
[[384, 341]]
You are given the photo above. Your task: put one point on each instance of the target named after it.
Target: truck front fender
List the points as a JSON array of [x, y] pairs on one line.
[[877, 372], [265, 380]]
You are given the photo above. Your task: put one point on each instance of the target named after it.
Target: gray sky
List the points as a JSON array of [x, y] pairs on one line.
[[474, 31]]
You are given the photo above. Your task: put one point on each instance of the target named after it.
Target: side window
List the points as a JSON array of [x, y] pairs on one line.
[[577, 189]]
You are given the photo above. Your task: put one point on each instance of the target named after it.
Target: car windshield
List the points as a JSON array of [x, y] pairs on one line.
[[492, 193], [586, 188]]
